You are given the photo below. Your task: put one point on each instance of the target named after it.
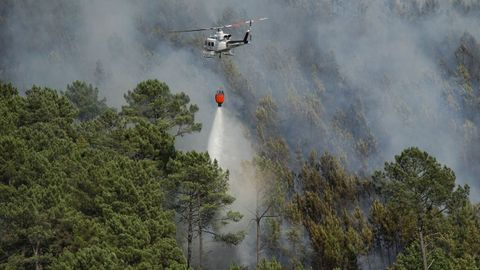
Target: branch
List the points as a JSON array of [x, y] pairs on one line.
[[443, 209], [228, 238], [210, 232], [266, 210], [430, 264], [271, 216]]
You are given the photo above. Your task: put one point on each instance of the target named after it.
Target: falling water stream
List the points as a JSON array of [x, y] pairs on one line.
[[216, 137], [229, 144]]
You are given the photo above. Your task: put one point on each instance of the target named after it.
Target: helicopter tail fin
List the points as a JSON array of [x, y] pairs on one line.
[[245, 39]]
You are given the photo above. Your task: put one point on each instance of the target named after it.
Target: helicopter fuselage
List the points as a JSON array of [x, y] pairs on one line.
[[220, 43]]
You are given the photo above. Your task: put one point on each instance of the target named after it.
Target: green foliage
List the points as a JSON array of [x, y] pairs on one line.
[[266, 118], [201, 192], [420, 203], [272, 235], [45, 105], [233, 216], [200, 183], [272, 163], [90, 193], [237, 267], [153, 101], [418, 187], [85, 98], [410, 259], [269, 265], [230, 238], [139, 141], [330, 213], [464, 75], [146, 141], [11, 106], [7, 90], [70, 198]]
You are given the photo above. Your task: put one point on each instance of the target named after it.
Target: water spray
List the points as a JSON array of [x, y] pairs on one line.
[[216, 139], [228, 143]]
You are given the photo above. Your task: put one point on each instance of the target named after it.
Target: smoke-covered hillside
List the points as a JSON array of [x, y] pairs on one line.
[[359, 79]]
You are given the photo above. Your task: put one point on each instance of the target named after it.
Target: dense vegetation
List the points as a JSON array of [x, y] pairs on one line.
[[409, 215], [328, 88], [84, 187]]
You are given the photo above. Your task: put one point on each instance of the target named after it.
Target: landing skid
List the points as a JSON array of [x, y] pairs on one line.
[[229, 53]]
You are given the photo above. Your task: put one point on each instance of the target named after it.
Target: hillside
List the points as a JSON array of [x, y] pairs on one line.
[[348, 107]]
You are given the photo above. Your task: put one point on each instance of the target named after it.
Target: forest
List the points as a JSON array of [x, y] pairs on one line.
[[354, 127], [86, 187]]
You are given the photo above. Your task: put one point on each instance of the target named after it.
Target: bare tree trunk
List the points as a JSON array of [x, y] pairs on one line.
[[368, 260], [293, 255], [389, 256], [424, 252], [200, 247], [36, 253], [258, 240], [200, 236], [189, 238], [257, 220]]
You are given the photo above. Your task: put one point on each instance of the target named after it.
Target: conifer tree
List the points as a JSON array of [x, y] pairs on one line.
[[417, 192], [153, 101], [201, 187]]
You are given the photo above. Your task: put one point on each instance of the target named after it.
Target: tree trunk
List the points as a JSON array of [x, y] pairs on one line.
[[258, 240], [257, 220], [424, 252], [189, 238], [200, 247], [389, 256], [36, 253], [200, 236]]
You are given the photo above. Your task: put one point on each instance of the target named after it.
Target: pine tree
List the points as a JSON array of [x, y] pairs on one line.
[[70, 201], [153, 101], [201, 187], [85, 98], [327, 199], [417, 192]]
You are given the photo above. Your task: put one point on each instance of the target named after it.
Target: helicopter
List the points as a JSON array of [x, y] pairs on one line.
[[220, 43]]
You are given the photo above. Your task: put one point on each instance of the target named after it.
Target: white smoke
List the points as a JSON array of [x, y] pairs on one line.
[[386, 56]]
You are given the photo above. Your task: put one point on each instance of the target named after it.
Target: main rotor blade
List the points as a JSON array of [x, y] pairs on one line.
[[195, 30], [238, 24]]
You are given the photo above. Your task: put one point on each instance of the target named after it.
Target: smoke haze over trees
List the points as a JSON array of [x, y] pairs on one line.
[[327, 91]]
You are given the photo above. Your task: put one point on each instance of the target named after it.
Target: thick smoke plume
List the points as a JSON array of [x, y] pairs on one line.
[[362, 79]]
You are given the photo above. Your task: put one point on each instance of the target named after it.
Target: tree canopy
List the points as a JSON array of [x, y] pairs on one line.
[[86, 100], [418, 202], [81, 195], [153, 101], [83, 186]]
